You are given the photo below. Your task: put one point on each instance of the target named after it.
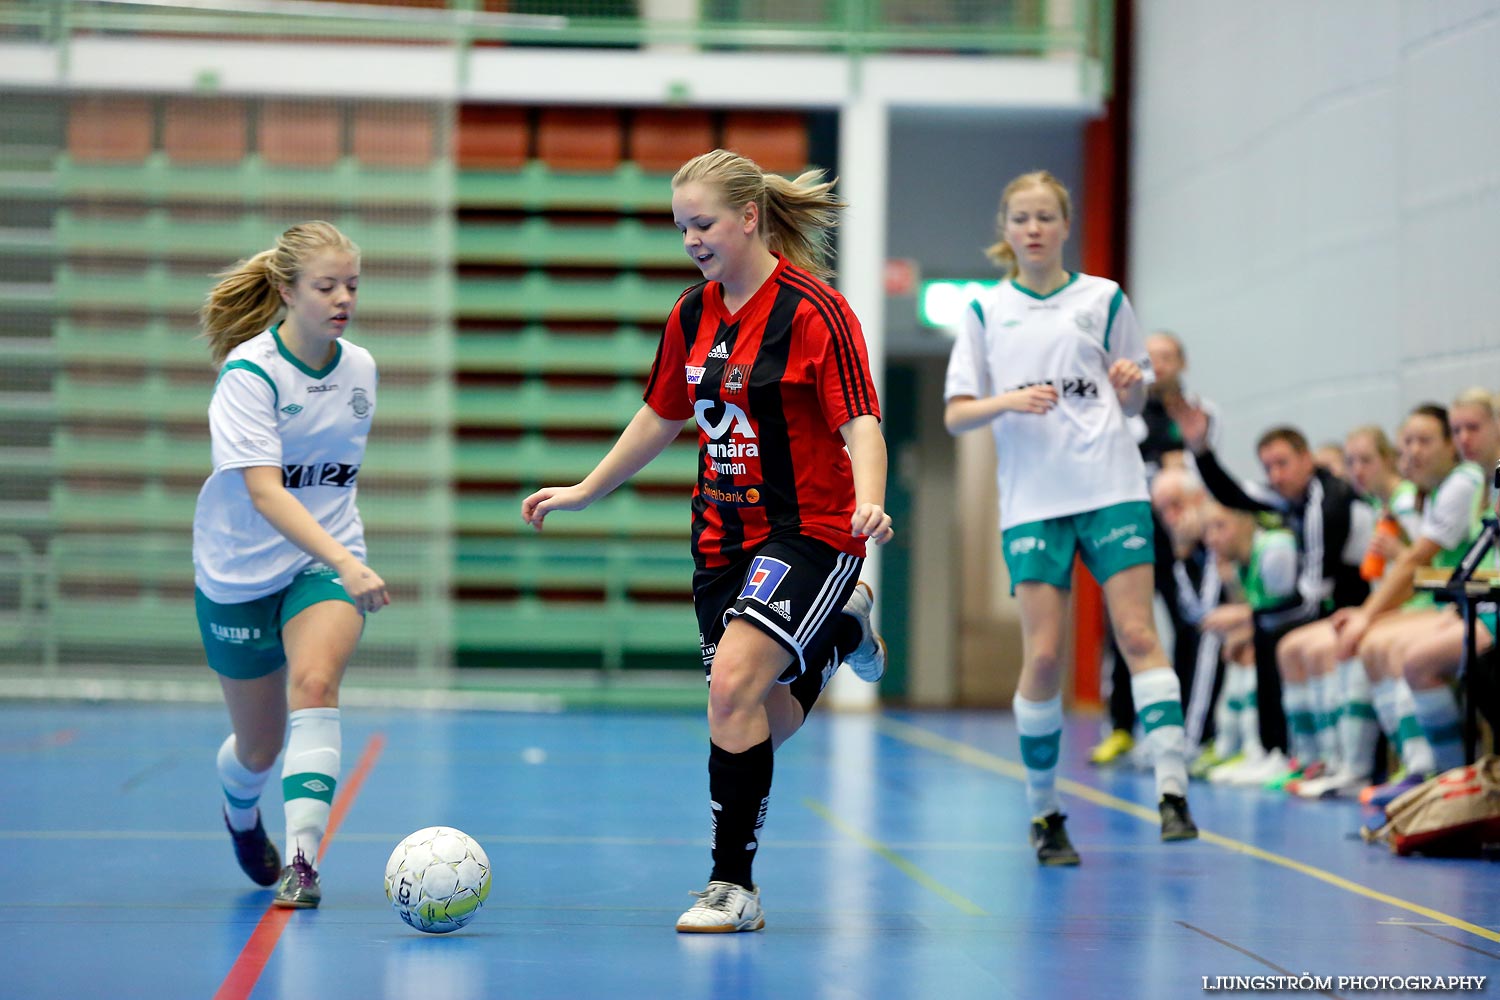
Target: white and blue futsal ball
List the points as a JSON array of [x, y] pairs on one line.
[[437, 879]]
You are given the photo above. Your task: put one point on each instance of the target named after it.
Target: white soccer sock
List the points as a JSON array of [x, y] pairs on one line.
[[1249, 692], [309, 776], [1227, 717], [1416, 752], [1039, 724], [1437, 711], [1297, 700], [1158, 699], [1358, 730], [242, 787], [1330, 707]]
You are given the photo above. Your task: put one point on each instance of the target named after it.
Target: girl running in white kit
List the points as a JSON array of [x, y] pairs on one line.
[[1053, 362], [278, 545]]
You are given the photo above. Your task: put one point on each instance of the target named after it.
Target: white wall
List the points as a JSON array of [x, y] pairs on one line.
[[1315, 204]]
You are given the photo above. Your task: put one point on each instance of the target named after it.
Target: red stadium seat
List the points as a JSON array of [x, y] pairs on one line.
[[582, 139], [492, 137], [775, 140], [663, 139], [199, 130], [394, 135], [110, 129], [301, 133]]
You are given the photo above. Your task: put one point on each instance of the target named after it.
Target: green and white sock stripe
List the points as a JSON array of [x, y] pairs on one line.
[[308, 785]]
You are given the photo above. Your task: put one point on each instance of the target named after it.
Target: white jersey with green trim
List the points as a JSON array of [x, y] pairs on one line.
[[1453, 512], [268, 408], [1079, 456]]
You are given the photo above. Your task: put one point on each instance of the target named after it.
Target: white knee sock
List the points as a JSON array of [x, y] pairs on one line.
[[1227, 716], [1158, 701], [1416, 751], [1437, 711], [1040, 726], [1249, 692], [309, 776], [1297, 700], [1358, 730], [242, 787], [1329, 694]]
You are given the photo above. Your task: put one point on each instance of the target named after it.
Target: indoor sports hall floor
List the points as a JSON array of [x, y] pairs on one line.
[[893, 865]]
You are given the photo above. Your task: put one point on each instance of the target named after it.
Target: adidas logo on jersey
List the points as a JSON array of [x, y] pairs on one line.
[[721, 351], [782, 608]]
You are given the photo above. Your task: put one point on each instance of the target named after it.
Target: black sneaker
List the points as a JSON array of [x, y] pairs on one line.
[[299, 887], [1050, 839], [256, 854], [1176, 822]]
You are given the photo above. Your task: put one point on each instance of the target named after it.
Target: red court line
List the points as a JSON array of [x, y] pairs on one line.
[[246, 970]]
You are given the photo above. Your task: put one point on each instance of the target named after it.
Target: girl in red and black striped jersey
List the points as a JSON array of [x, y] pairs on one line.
[[772, 364]]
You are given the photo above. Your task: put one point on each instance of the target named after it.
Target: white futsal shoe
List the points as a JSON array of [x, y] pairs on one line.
[[868, 659], [723, 908]]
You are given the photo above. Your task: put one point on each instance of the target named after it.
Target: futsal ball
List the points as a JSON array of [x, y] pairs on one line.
[[437, 879]]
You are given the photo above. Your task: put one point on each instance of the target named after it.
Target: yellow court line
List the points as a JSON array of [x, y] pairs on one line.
[[999, 765], [908, 869]]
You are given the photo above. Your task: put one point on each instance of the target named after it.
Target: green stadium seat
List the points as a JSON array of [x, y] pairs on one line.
[[623, 514], [612, 629], [536, 188], [538, 242], [625, 351], [535, 459], [538, 297], [535, 562], [534, 404], [156, 506]]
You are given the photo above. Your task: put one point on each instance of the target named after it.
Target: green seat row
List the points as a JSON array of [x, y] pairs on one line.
[[158, 559], [623, 514], [535, 404], [628, 297], [251, 181], [160, 344], [533, 458], [157, 289], [535, 187], [155, 506], [612, 628], [538, 242], [626, 350], [154, 452], [156, 396], [158, 233], [535, 562]]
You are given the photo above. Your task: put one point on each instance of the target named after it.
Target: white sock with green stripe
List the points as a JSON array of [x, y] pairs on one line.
[[1437, 711], [1158, 701], [1227, 718], [309, 775], [1040, 726], [1416, 752], [1358, 729], [1297, 700], [242, 787], [1329, 692], [1242, 676]]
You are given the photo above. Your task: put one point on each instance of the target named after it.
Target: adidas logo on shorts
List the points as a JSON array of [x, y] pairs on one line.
[[782, 608], [721, 350]]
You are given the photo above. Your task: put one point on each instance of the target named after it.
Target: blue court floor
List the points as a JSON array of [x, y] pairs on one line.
[[893, 867]]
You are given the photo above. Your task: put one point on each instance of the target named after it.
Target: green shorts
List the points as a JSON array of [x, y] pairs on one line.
[[243, 641], [1109, 539]]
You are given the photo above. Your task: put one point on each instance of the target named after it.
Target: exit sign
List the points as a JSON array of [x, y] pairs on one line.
[[942, 303]]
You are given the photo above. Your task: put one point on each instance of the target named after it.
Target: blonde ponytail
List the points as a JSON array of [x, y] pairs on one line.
[[797, 216], [247, 297]]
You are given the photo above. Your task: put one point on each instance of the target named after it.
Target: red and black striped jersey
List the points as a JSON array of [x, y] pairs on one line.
[[770, 386]]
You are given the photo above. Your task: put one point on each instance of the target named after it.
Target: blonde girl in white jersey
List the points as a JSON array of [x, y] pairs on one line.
[[278, 546], [1054, 362]]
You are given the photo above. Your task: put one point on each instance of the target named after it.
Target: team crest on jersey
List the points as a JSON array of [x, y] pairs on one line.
[[360, 402], [734, 377], [1087, 321], [694, 375], [764, 577]]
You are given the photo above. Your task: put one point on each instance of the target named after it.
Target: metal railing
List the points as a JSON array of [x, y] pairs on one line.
[[854, 27]]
